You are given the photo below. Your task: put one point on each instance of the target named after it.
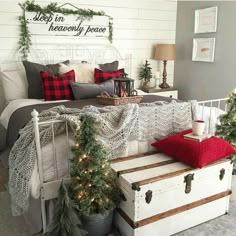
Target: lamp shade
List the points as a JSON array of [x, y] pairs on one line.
[[165, 52]]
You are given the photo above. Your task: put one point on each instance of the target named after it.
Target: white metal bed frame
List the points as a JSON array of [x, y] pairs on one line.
[[219, 104], [49, 190], [77, 53]]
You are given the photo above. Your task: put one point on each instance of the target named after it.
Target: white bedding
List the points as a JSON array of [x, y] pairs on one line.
[[210, 115], [53, 170]]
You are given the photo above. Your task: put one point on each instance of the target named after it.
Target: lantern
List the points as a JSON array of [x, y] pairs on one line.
[[123, 87]]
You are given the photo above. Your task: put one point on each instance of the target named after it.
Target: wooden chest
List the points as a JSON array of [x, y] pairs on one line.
[[162, 196]]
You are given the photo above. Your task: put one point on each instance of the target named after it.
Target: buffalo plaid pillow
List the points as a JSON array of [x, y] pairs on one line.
[[57, 87], [101, 76]]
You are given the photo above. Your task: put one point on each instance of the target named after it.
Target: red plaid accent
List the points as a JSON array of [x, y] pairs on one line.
[[57, 87], [101, 76]]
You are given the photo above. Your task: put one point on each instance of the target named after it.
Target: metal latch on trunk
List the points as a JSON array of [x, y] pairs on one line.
[[222, 173], [148, 197], [136, 187], [188, 180]]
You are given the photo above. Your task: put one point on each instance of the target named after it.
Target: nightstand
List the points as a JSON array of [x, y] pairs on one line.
[[170, 92]]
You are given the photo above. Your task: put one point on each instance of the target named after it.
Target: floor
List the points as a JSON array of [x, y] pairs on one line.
[[15, 226]]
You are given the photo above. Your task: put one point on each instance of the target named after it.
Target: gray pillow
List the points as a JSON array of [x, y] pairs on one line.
[[33, 76], [85, 90], [109, 66]]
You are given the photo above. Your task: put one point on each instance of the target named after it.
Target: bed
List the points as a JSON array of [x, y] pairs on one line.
[[52, 158]]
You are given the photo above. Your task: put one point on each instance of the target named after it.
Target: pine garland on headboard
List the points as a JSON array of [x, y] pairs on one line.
[[24, 42]]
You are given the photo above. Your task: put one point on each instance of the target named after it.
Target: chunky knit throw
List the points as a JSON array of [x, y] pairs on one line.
[[116, 126]]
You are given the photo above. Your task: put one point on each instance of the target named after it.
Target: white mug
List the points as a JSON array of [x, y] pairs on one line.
[[198, 127]]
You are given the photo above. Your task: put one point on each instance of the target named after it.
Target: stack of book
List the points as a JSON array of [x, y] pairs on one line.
[[197, 138]]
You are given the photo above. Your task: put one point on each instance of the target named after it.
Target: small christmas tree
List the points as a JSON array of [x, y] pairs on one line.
[[227, 127], [66, 221], [145, 72], [93, 185]]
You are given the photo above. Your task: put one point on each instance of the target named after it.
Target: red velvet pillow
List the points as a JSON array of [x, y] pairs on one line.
[[192, 153], [57, 87], [101, 76]]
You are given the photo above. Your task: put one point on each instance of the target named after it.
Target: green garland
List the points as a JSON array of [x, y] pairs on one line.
[[227, 127], [24, 42]]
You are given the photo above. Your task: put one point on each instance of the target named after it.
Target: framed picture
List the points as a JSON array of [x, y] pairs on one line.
[[203, 49], [205, 20]]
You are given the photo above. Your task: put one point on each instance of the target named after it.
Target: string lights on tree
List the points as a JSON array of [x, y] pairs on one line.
[[94, 186]]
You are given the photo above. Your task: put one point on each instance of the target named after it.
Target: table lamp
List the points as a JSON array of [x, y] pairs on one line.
[[165, 52]]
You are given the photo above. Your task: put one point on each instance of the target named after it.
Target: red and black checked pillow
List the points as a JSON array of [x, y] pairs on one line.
[[101, 76], [57, 87], [192, 153]]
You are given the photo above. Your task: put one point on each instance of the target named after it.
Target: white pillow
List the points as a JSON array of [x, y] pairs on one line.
[[84, 73], [14, 84], [12, 66]]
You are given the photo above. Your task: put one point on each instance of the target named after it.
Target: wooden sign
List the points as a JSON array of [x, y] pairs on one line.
[[67, 25]]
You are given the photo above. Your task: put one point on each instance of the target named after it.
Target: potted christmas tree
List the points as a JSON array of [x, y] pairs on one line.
[[145, 74], [93, 186], [227, 131], [85, 206]]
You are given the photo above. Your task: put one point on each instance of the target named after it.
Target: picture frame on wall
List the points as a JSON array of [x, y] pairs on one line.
[[206, 20], [203, 49]]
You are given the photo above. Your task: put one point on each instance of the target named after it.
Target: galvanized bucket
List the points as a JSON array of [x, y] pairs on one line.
[[98, 224]]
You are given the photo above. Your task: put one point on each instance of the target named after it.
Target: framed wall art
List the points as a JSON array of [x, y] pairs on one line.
[[205, 20], [203, 49]]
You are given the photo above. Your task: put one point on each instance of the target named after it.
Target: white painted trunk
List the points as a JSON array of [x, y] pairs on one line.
[[168, 187], [176, 223]]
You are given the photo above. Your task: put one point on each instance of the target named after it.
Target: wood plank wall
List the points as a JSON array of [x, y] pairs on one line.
[[138, 26]]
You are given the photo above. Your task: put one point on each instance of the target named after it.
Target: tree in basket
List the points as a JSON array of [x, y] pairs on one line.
[[94, 186], [227, 127], [145, 74]]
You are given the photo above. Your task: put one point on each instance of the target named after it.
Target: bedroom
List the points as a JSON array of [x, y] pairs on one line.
[[138, 27]]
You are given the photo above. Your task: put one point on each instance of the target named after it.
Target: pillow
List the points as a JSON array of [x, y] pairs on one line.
[[84, 91], [192, 153], [101, 76], [57, 87], [33, 76], [14, 84], [12, 66], [84, 73], [109, 66]]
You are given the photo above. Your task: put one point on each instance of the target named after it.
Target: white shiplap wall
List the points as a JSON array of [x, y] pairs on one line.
[[138, 26]]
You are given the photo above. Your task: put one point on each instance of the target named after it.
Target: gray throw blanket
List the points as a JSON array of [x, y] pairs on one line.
[[116, 126]]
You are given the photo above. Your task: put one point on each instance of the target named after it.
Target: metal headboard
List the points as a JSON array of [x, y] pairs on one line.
[[77, 53]]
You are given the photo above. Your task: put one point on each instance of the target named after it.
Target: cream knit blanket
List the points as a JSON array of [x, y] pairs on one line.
[[116, 126]]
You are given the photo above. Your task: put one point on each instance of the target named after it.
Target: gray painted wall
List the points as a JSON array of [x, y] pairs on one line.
[[205, 80]]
